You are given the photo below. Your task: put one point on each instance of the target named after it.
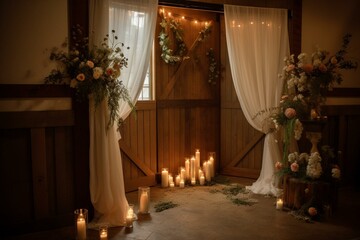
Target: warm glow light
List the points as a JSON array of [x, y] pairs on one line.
[[169, 14], [251, 22], [183, 17], [196, 21], [239, 25], [262, 23]]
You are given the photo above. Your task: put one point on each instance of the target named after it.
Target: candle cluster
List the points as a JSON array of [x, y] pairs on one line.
[[192, 173]]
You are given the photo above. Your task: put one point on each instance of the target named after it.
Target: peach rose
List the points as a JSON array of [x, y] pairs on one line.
[[278, 165], [80, 77], [290, 67], [290, 113], [312, 211], [308, 67]]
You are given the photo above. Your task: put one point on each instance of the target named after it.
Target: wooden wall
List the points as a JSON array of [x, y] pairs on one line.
[[42, 165]]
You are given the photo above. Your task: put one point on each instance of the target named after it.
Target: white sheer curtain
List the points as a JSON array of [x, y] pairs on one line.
[[257, 42], [134, 24]]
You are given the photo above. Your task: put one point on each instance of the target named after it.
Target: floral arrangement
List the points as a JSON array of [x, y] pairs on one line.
[[307, 81], [311, 166], [94, 71]]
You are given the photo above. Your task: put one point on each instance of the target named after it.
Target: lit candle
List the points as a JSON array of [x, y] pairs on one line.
[[177, 180], [212, 169], [204, 168], [182, 173], [129, 220], [187, 168], [182, 183], [193, 181], [144, 202], [197, 162], [172, 184], [164, 178], [81, 226], [208, 172], [103, 232], [202, 180], [171, 179], [279, 204], [192, 168]]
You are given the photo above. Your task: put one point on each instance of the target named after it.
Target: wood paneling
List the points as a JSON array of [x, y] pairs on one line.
[[138, 145], [39, 174]]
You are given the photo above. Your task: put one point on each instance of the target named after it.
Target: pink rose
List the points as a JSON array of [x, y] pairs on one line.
[[307, 67], [294, 167], [290, 113], [312, 211]]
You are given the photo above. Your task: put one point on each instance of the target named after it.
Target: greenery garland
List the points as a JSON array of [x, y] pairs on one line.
[[167, 54], [213, 68]]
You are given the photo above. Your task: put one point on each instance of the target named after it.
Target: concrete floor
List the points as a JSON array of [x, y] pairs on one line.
[[204, 213]]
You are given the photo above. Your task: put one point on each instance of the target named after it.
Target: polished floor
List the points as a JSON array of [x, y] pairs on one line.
[[204, 212]]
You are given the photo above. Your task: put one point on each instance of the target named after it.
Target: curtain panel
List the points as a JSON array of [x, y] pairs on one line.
[[257, 42], [134, 24]]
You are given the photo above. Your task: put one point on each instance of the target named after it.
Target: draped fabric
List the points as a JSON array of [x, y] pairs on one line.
[[134, 24], [257, 42]]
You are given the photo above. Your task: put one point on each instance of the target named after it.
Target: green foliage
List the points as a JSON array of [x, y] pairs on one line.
[[162, 206]]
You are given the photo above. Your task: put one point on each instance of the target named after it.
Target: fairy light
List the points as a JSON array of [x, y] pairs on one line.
[[169, 14]]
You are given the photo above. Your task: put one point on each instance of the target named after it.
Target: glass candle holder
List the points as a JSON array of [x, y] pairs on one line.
[[81, 221], [103, 232], [144, 199], [130, 216]]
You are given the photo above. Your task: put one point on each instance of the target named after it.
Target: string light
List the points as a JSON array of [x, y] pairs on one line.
[[234, 24], [165, 14]]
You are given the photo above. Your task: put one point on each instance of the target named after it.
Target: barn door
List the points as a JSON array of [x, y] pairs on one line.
[[187, 103], [241, 145]]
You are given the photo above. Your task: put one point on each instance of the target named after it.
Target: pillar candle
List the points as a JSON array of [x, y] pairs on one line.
[[208, 173], [182, 183], [144, 203], [210, 168], [202, 180], [197, 162], [192, 168], [187, 168], [204, 167], [177, 180], [171, 179], [193, 181], [81, 227], [164, 178], [182, 174], [212, 161]]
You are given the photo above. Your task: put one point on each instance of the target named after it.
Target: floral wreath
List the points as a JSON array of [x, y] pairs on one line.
[[167, 54]]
